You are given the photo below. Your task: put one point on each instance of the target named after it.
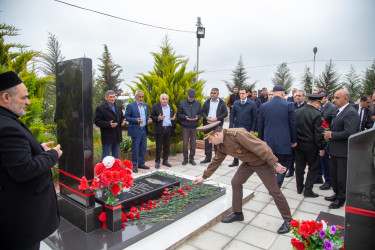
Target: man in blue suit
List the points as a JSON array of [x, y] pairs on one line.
[[277, 126], [137, 116]]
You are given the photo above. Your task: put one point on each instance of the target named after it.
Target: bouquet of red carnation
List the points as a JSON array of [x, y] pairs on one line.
[[110, 176], [315, 235], [325, 125]]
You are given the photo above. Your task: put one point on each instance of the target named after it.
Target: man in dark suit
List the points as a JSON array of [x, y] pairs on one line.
[[109, 118], [254, 98], [243, 115], [28, 210], [300, 99], [328, 111], [137, 116], [364, 112], [214, 109], [163, 116], [232, 98], [277, 126], [291, 98], [264, 96], [344, 124]]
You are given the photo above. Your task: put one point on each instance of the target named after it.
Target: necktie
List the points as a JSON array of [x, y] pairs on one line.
[[242, 102], [360, 116]]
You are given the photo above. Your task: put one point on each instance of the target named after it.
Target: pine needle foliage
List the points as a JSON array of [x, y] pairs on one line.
[[352, 83], [307, 79], [109, 75], [329, 79], [169, 76], [283, 77], [369, 80], [239, 78]]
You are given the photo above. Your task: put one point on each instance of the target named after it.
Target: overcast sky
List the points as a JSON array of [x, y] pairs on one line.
[[266, 33]]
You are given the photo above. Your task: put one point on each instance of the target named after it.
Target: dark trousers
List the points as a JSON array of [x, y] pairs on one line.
[[292, 159], [267, 174], [338, 173], [162, 143], [208, 149], [189, 134], [139, 146], [283, 160], [306, 152], [32, 247], [107, 148], [324, 167]]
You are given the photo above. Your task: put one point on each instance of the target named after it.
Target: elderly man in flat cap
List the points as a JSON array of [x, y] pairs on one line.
[[28, 210], [189, 113], [256, 156], [310, 144]]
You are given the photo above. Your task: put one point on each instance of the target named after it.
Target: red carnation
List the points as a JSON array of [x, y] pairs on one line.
[[294, 223], [117, 163], [104, 225], [123, 225], [102, 217], [99, 168], [95, 184], [131, 216], [133, 210], [84, 184], [127, 164], [319, 226], [123, 217], [116, 177], [115, 189], [107, 177], [325, 124], [298, 244], [137, 216]]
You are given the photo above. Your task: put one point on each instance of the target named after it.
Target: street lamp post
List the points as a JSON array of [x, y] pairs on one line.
[[315, 49], [200, 34]]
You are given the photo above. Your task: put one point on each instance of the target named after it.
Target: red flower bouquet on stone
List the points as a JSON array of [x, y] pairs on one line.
[[111, 176]]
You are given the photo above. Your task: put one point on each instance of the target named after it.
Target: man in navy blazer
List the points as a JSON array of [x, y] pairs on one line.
[[343, 125], [137, 116], [277, 126]]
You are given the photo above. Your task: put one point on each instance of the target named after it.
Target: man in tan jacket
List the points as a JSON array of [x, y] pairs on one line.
[[256, 156]]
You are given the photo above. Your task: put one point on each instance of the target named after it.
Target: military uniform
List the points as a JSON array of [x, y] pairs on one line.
[[310, 141], [257, 157]]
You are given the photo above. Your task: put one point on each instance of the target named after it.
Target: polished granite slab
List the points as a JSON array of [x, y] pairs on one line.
[[165, 234]]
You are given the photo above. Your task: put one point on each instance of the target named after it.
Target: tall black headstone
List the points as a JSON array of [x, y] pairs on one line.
[[360, 204], [74, 121]]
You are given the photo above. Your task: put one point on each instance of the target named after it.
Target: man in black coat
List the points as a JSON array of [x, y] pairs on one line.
[[310, 144], [233, 97], [264, 96], [110, 118], [364, 112], [163, 116], [28, 210], [328, 111], [344, 125], [243, 115], [213, 110], [189, 113]]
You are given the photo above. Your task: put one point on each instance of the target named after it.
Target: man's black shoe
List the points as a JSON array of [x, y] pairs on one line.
[[157, 165], [144, 167], [336, 204], [289, 174], [135, 170], [233, 164], [192, 162], [233, 217], [166, 163], [285, 228], [330, 198], [325, 186], [318, 181], [310, 194], [184, 162], [206, 160]]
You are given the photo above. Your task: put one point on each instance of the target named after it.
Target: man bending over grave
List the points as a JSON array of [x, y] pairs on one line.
[[256, 156]]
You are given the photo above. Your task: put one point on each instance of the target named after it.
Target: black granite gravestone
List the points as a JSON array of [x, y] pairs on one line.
[[74, 121], [360, 203]]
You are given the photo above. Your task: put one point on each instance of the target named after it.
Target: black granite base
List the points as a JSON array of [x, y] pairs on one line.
[[70, 237], [86, 219]]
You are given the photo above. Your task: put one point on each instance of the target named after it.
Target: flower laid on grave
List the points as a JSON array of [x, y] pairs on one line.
[[111, 176], [315, 235]]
